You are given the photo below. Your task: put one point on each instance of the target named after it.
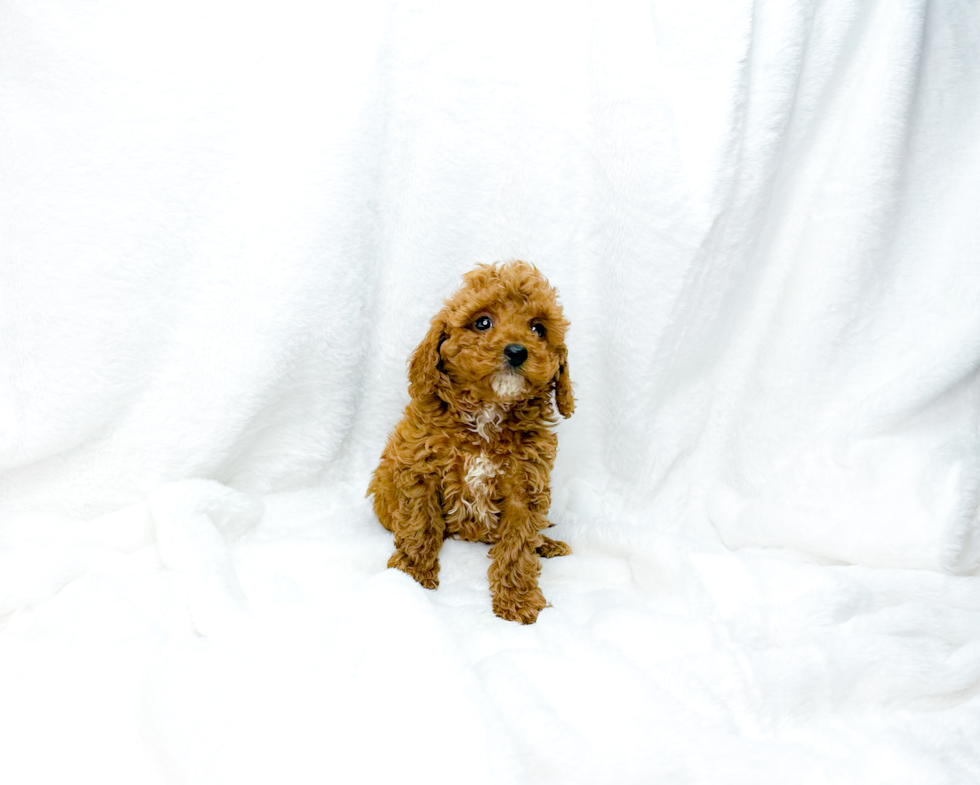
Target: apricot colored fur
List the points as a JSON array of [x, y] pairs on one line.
[[472, 456]]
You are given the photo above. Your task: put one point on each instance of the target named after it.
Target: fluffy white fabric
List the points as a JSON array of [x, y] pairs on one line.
[[224, 227]]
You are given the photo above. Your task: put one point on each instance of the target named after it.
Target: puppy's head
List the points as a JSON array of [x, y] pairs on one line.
[[499, 339]]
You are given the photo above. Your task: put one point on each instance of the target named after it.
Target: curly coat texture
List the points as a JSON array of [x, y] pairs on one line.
[[472, 456]]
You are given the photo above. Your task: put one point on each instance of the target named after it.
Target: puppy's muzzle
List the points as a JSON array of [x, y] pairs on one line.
[[515, 354]]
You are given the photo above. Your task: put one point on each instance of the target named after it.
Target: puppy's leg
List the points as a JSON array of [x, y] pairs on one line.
[[516, 566], [418, 535], [548, 547], [539, 503]]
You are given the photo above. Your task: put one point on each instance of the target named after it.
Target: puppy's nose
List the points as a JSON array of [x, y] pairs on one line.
[[515, 354]]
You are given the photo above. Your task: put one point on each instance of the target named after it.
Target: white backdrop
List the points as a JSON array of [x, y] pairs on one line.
[[224, 228]]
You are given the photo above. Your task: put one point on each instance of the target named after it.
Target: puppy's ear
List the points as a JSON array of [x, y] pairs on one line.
[[563, 385], [424, 366]]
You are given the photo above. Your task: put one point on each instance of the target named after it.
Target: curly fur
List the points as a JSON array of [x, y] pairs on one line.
[[472, 456]]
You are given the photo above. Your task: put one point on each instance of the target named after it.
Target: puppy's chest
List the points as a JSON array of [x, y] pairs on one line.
[[476, 484], [478, 478], [480, 472]]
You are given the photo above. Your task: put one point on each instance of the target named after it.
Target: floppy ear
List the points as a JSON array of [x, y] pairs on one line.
[[424, 366], [563, 385]]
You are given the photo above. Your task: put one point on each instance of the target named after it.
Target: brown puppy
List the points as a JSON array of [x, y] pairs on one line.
[[472, 456]]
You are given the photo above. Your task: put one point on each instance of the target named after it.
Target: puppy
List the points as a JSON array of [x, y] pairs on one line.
[[472, 456]]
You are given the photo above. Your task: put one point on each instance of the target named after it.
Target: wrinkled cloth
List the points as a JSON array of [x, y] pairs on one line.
[[224, 228]]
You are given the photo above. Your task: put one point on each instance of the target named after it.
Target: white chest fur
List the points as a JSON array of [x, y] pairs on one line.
[[479, 479], [487, 419], [480, 469]]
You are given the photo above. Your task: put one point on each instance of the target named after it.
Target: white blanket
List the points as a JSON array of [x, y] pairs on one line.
[[224, 227]]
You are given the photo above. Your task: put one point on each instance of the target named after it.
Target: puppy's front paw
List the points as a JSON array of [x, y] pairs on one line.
[[520, 607], [549, 548], [428, 578]]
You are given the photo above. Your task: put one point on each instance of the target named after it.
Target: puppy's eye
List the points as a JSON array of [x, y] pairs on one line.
[[539, 330], [483, 324]]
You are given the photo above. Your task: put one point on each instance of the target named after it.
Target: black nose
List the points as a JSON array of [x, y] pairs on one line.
[[515, 354]]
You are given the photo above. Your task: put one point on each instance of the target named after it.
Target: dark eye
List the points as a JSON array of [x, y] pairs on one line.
[[539, 330], [483, 324]]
